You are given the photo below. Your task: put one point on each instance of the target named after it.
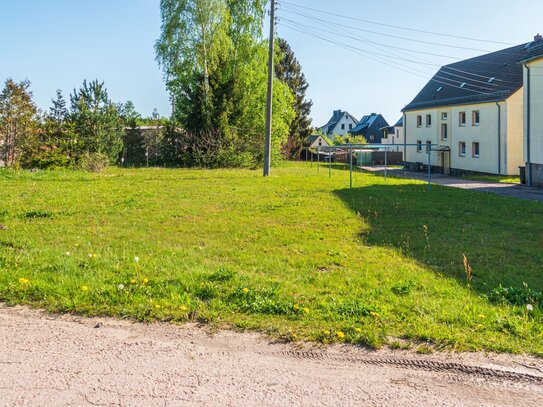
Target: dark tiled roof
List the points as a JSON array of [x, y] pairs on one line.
[[336, 117], [535, 50], [310, 140], [486, 78], [399, 123], [367, 122]]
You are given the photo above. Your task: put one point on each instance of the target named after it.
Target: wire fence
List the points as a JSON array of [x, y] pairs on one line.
[[353, 156]]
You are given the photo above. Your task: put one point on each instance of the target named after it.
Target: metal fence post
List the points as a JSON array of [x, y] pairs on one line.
[[429, 167], [351, 166], [329, 162], [386, 162]]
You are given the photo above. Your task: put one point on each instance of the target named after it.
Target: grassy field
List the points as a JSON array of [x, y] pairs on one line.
[[297, 255]]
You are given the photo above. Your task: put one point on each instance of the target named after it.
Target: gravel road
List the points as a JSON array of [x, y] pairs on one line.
[[50, 360]]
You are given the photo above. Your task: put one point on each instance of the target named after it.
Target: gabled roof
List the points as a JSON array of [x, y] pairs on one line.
[[310, 140], [366, 123], [399, 123], [487, 78], [535, 50], [334, 120]]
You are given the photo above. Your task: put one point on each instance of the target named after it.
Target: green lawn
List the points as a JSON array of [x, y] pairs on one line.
[[297, 255]]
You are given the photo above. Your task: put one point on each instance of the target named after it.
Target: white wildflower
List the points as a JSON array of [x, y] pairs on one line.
[[68, 253], [121, 286], [137, 259], [530, 307]]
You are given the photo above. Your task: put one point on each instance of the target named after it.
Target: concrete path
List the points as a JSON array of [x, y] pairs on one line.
[[49, 360], [512, 190]]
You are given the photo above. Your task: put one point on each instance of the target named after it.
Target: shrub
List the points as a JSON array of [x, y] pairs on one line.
[[93, 162]]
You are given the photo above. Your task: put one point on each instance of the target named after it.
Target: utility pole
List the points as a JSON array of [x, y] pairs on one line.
[[269, 107]]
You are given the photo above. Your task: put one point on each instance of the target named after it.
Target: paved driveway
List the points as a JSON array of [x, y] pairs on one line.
[[513, 190]]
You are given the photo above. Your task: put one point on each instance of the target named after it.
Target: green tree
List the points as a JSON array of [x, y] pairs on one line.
[[18, 121], [289, 70], [214, 59], [98, 121]]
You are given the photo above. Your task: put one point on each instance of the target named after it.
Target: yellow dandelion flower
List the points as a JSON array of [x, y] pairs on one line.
[[306, 310], [145, 280], [296, 307], [23, 280], [327, 332], [202, 284], [84, 288], [157, 306], [340, 334], [133, 281], [358, 330], [375, 314], [245, 290], [183, 308]]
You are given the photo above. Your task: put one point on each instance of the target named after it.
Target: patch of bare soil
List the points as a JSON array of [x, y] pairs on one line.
[[72, 361]]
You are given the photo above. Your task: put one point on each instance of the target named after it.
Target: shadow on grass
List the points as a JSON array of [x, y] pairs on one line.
[[501, 237]]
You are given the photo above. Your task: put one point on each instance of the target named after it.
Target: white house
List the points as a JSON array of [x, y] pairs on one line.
[[533, 112], [315, 141], [340, 123], [394, 135], [472, 112]]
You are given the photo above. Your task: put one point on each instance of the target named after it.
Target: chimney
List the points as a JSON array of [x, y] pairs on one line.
[[538, 37]]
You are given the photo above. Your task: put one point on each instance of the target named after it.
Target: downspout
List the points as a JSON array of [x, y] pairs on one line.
[[499, 138], [528, 125]]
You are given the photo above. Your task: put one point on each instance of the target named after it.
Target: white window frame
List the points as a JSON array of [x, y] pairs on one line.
[[419, 121], [428, 120], [473, 115], [473, 154], [419, 146], [460, 145], [446, 126], [462, 123], [444, 116]]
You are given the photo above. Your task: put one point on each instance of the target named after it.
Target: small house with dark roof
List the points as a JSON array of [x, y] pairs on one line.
[[394, 135], [473, 111], [532, 64], [370, 128], [315, 141], [340, 123]]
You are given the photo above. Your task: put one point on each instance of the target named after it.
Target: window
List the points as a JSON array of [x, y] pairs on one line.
[[428, 145], [372, 138], [462, 149], [462, 118], [444, 134], [350, 126], [475, 118], [444, 116], [475, 150], [419, 121], [419, 146], [428, 120], [343, 126], [397, 133]]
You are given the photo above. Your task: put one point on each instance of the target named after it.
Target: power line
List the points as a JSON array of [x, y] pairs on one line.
[[394, 26], [380, 58], [421, 61]]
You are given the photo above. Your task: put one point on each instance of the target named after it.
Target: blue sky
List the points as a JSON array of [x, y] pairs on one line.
[[58, 43]]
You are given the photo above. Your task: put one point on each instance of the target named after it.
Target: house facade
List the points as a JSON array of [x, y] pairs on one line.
[[315, 141], [533, 112], [471, 112], [370, 128], [340, 124], [394, 135]]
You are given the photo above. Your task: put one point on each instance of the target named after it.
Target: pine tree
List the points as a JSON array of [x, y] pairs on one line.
[[289, 70]]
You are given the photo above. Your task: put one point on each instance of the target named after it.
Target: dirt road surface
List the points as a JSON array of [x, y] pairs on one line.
[[50, 360]]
